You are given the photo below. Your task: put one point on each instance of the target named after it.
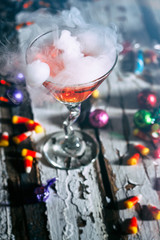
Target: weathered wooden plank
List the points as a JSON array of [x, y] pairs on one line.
[[5, 216], [23, 209], [117, 140], [34, 213], [13, 184], [77, 209]]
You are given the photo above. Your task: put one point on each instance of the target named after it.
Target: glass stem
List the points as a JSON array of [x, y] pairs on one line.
[[72, 144], [74, 112]]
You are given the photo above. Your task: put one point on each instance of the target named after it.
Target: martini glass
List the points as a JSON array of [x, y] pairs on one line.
[[69, 148]]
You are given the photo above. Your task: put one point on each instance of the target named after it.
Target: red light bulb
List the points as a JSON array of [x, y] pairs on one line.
[[147, 99]]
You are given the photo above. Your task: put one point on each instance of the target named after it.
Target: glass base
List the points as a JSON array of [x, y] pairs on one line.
[[58, 158]]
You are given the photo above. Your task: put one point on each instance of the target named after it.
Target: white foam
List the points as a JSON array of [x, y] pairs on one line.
[[37, 72], [87, 52], [70, 46], [79, 72]]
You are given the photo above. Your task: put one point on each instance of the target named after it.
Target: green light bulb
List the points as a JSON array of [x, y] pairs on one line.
[[143, 118]]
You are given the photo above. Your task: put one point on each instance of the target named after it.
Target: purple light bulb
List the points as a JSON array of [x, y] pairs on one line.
[[98, 118], [15, 95], [20, 77]]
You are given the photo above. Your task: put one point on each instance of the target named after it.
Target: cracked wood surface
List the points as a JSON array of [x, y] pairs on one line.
[[117, 144], [77, 211]]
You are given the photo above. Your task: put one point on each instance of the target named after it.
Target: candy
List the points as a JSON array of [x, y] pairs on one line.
[[42, 193], [19, 119], [150, 57], [24, 24], [27, 4], [134, 159], [132, 227], [28, 161], [4, 82], [155, 135], [138, 133], [5, 136], [155, 212], [4, 99], [44, 4], [147, 99], [142, 149], [129, 203], [4, 140], [31, 125], [21, 137], [155, 141], [98, 118], [143, 118], [28, 152]]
